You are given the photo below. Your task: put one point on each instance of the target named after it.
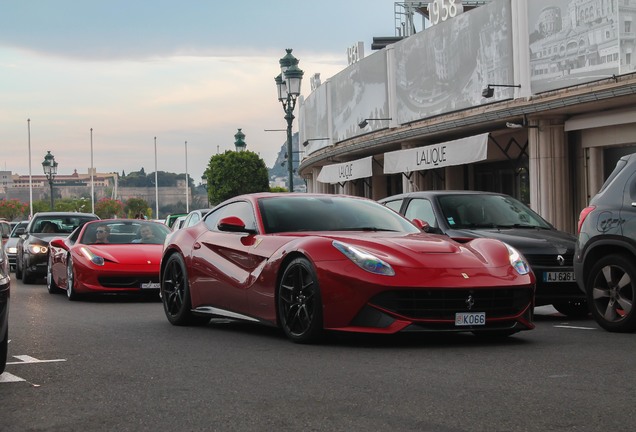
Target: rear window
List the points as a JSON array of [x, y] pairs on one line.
[[620, 165]]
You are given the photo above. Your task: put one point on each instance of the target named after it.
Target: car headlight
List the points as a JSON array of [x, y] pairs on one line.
[[518, 261], [38, 249], [95, 259], [364, 260], [12, 250]]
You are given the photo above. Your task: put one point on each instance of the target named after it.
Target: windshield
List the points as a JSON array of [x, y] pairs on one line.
[[488, 211], [124, 231], [58, 224], [311, 213]]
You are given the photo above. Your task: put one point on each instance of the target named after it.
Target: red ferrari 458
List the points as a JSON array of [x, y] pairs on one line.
[[107, 256], [309, 263]]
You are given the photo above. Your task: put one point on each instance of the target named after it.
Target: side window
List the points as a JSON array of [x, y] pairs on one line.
[[394, 205], [240, 209], [421, 209]]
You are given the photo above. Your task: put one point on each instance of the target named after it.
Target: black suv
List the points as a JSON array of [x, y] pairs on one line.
[[469, 214], [605, 254]]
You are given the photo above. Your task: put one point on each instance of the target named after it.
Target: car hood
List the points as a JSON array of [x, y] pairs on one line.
[[44, 238], [427, 250], [528, 240]]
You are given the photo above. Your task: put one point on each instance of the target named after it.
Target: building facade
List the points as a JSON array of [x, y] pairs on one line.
[[535, 99]]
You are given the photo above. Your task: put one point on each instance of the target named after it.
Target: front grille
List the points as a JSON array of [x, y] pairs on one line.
[[550, 260], [124, 282], [443, 303]]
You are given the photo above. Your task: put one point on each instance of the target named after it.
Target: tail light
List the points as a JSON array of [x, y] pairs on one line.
[[586, 211]]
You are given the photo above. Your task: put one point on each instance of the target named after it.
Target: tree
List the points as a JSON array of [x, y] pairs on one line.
[[135, 206], [235, 173], [107, 208], [13, 209]]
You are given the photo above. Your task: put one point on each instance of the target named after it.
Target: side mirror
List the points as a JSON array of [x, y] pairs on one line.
[[20, 231], [422, 225], [58, 243], [233, 224]]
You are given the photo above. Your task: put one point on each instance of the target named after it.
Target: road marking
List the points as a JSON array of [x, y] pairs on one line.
[[25, 359], [574, 327], [7, 377]]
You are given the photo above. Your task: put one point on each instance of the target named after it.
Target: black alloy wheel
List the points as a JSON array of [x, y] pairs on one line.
[[611, 289], [175, 294], [299, 302]]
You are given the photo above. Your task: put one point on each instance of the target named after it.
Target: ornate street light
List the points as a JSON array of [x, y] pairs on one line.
[[288, 87], [239, 141], [50, 170]]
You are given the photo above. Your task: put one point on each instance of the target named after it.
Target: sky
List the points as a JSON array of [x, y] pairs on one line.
[[138, 72]]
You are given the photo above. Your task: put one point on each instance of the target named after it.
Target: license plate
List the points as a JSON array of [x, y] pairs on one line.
[[558, 277], [150, 285], [470, 318]]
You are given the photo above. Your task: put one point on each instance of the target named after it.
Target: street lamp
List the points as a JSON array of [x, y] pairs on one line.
[[239, 141], [288, 87], [50, 170]]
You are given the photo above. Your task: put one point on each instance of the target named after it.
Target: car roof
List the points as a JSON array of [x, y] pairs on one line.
[[433, 193]]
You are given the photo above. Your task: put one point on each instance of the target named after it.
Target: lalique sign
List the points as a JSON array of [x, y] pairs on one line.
[[458, 152], [343, 172]]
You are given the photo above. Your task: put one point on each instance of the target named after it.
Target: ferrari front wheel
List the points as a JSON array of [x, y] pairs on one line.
[[175, 294], [300, 303], [51, 286], [71, 291]]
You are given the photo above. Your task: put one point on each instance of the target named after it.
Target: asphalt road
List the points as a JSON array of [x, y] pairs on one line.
[[118, 365]]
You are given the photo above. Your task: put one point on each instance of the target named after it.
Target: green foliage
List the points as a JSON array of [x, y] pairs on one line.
[[235, 173], [141, 179], [137, 205], [13, 209], [107, 208], [279, 189]]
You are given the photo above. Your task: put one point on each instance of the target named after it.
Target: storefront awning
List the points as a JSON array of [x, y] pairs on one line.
[[450, 153], [347, 171]]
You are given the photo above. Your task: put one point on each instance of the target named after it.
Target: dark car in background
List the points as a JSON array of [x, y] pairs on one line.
[[470, 214], [33, 246], [5, 230], [11, 246], [5, 285], [605, 253]]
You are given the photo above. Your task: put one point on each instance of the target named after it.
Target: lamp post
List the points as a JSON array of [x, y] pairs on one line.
[[49, 165], [288, 86], [239, 141]]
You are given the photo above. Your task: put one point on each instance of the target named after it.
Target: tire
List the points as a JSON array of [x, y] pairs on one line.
[[18, 269], [611, 288], [4, 349], [51, 287], [573, 308], [175, 294], [299, 303], [27, 277], [71, 286]]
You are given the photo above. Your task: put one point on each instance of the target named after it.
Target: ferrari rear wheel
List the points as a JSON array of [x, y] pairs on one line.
[[71, 292], [300, 303], [51, 287], [175, 294]]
